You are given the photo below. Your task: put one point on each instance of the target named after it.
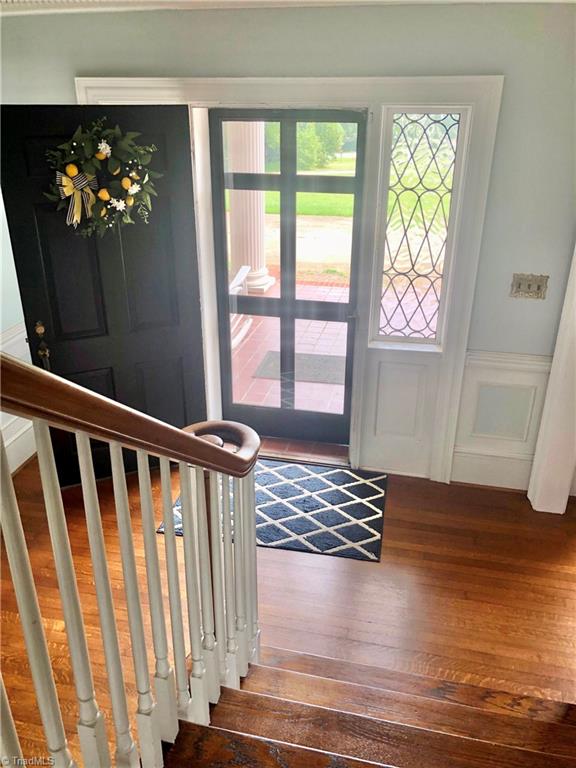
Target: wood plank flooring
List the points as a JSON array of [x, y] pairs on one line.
[[366, 738], [203, 747], [304, 450], [420, 686], [472, 587], [554, 738]]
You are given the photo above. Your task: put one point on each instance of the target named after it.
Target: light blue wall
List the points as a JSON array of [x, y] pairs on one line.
[[530, 224], [11, 308]]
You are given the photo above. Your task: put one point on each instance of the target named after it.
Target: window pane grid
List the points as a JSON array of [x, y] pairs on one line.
[[422, 161]]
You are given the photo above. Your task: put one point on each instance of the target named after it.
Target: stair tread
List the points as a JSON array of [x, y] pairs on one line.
[[204, 746], [366, 738], [476, 696], [408, 709]]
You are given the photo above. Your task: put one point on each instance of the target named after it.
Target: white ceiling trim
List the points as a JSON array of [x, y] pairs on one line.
[[22, 7]]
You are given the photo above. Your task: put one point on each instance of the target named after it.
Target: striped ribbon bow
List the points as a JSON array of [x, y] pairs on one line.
[[78, 189]]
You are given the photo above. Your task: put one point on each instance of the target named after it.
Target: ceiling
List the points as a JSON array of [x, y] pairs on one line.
[[20, 7]]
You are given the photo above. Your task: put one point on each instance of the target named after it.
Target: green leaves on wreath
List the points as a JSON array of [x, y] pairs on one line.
[[120, 159], [114, 165]]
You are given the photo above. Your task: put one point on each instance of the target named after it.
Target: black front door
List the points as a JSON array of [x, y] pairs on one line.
[[121, 313], [287, 187]]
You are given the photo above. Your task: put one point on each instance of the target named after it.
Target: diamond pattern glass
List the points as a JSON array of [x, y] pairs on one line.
[[423, 156]]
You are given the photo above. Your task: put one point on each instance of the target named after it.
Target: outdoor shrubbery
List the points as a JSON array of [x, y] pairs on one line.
[[317, 144]]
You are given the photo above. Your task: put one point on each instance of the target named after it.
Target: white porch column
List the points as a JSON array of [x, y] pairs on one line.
[[246, 141]]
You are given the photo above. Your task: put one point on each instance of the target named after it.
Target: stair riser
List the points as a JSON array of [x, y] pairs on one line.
[[402, 708], [202, 747], [367, 739], [499, 702]]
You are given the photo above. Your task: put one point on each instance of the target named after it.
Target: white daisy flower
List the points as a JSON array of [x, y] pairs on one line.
[[134, 188], [105, 148], [120, 205]]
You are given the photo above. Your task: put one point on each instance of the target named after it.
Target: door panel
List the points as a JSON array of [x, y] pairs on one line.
[[287, 207], [73, 280], [122, 312]]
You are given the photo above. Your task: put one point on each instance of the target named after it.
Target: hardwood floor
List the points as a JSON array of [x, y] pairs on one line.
[[472, 587], [304, 450], [368, 738]]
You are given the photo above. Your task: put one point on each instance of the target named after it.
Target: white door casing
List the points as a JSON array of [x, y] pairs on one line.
[[405, 396]]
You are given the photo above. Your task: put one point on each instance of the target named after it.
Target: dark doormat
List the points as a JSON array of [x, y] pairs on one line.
[[320, 369], [316, 508]]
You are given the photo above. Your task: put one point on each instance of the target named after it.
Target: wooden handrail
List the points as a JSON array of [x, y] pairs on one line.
[[33, 393]]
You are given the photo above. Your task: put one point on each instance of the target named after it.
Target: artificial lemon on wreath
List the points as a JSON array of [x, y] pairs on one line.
[[103, 194], [71, 170], [126, 183], [103, 213], [129, 201], [100, 156]]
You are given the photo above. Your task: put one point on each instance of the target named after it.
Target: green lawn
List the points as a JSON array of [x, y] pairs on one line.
[[311, 204], [346, 165], [332, 204], [314, 204], [418, 206]]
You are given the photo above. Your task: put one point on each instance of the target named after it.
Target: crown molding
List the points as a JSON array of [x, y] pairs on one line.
[[27, 7]]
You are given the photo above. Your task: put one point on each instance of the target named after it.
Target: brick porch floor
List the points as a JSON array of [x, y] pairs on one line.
[[312, 337]]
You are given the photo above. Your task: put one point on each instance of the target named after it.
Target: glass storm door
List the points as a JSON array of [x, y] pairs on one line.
[[287, 190]]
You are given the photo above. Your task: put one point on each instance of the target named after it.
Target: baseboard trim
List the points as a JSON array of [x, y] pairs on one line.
[[20, 446], [496, 471], [17, 433]]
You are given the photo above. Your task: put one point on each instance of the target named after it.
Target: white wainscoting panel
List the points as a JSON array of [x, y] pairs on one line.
[[400, 392], [500, 410], [17, 433]]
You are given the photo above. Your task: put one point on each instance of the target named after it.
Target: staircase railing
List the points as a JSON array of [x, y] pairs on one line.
[[219, 560]]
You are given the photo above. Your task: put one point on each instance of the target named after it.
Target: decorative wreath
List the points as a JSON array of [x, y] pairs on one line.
[[102, 178]]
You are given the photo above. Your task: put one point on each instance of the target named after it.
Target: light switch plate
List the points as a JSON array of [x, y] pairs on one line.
[[529, 286]]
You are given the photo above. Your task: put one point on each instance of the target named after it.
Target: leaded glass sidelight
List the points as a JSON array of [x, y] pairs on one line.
[[422, 160]]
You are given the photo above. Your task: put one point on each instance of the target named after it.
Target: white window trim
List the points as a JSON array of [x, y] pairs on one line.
[[481, 95]]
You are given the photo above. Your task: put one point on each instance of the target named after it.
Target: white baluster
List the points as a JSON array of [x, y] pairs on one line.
[[249, 529], [205, 566], [175, 601], [31, 620], [233, 678], [253, 562], [164, 684], [218, 574], [10, 750], [91, 729], [198, 687], [146, 718], [126, 753], [247, 538], [240, 578]]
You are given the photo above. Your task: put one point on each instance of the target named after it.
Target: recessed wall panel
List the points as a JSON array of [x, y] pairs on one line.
[[399, 398], [503, 411]]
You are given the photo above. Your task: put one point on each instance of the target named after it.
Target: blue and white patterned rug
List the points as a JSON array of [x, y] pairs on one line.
[[316, 508], [320, 508]]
